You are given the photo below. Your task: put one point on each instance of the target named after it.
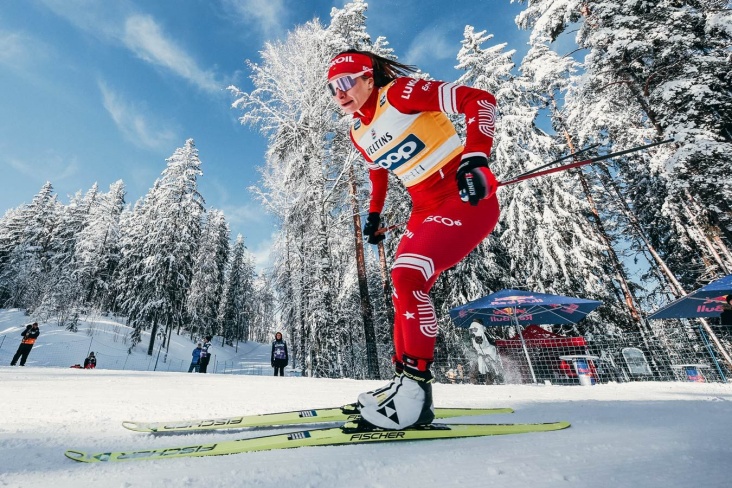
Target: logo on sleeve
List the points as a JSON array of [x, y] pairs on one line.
[[408, 89], [410, 147]]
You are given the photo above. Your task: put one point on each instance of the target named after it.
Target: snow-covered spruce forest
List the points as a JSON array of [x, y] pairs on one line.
[[634, 232]]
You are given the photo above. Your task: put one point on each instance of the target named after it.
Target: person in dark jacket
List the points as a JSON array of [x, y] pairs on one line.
[[30, 334], [195, 359], [726, 317], [205, 355], [279, 355], [91, 361]]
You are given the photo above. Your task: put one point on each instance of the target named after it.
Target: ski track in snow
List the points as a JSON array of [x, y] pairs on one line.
[[638, 434], [645, 435]]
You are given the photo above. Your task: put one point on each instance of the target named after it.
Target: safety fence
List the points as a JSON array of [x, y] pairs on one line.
[[672, 356]]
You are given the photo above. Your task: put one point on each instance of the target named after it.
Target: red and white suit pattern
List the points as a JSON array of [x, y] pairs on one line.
[[403, 128]]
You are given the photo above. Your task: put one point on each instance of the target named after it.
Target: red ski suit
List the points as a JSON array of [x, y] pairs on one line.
[[403, 128]]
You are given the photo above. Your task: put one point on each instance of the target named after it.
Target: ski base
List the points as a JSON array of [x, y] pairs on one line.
[[347, 413], [350, 433]]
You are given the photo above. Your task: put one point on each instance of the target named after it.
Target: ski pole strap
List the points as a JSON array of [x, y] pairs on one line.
[[577, 164]]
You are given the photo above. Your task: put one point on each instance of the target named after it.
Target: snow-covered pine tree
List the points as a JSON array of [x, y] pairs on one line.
[[207, 282], [655, 70], [97, 251], [290, 105], [543, 226], [62, 295], [160, 246], [23, 276], [236, 306]]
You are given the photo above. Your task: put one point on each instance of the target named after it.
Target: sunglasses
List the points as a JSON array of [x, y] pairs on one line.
[[344, 83]]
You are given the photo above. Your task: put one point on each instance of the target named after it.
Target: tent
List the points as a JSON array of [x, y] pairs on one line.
[[537, 337], [537, 340], [521, 307]]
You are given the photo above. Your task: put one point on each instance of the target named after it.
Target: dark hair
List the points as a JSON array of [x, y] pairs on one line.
[[385, 70], [729, 298], [208, 338]]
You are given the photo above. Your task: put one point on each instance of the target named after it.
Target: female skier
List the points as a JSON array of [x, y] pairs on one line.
[[400, 125]]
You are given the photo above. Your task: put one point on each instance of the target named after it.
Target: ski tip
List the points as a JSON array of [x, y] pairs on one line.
[[137, 426], [76, 456]]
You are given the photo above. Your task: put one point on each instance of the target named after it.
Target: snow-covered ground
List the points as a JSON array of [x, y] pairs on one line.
[[646, 435], [108, 338]]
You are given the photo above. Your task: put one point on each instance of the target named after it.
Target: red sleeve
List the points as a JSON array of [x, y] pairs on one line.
[[379, 183], [409, 95], [379, 178]]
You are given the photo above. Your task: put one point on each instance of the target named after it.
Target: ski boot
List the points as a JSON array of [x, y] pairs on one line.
[[408, 402], [373, 397]]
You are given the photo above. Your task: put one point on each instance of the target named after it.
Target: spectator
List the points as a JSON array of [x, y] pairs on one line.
[[205, 355], [30, 334], [196, 359], [279, 355], [91, 361], [726, 317]]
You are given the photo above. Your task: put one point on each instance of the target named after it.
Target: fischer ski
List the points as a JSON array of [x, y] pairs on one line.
[[350, 433], [346, 413]]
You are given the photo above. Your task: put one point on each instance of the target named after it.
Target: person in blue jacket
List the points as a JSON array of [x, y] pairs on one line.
[[279, 355], [195, 359]]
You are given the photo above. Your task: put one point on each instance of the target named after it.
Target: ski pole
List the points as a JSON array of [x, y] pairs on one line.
[[577, 164], [535, 173], [557, 160]]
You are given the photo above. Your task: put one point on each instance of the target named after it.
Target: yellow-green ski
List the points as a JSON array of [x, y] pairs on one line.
[[350, 433], [347, 413]]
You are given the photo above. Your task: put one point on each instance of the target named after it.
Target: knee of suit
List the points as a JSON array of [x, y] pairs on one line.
[[407, 280]]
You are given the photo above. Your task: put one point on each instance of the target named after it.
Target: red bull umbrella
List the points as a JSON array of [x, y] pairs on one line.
[[520, 307], [704, 302]]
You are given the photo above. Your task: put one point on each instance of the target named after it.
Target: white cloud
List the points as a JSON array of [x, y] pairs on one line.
[[118, 22], [144, 37], [267, 16], [134, 124], [262, 253], [50, 167], [245, 214], [429, 46], [18, 48]]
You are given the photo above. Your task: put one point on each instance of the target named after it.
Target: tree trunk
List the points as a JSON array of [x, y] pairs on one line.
[[153, 333], [367, 311]]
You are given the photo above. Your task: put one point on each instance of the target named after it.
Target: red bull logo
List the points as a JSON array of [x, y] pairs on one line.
[[712, 305], [516, 299], [570, 308]]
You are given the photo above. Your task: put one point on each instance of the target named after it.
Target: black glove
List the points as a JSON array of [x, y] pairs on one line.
[[372, 225], [475, 180]]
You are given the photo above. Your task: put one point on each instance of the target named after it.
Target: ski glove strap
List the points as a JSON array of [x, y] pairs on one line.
[[475, 179], [372, 225]]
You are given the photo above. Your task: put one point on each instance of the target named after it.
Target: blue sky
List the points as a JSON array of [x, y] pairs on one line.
[[102, 90]]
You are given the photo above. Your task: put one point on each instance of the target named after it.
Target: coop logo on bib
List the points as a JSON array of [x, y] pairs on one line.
[[410, 147]]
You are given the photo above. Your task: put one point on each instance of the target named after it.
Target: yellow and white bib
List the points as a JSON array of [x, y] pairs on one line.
[[412, 146]]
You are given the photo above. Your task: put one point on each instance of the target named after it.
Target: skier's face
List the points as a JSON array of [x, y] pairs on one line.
[[352, 99]]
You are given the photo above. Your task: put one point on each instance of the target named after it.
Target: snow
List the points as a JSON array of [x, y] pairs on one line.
[[634, 434]]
